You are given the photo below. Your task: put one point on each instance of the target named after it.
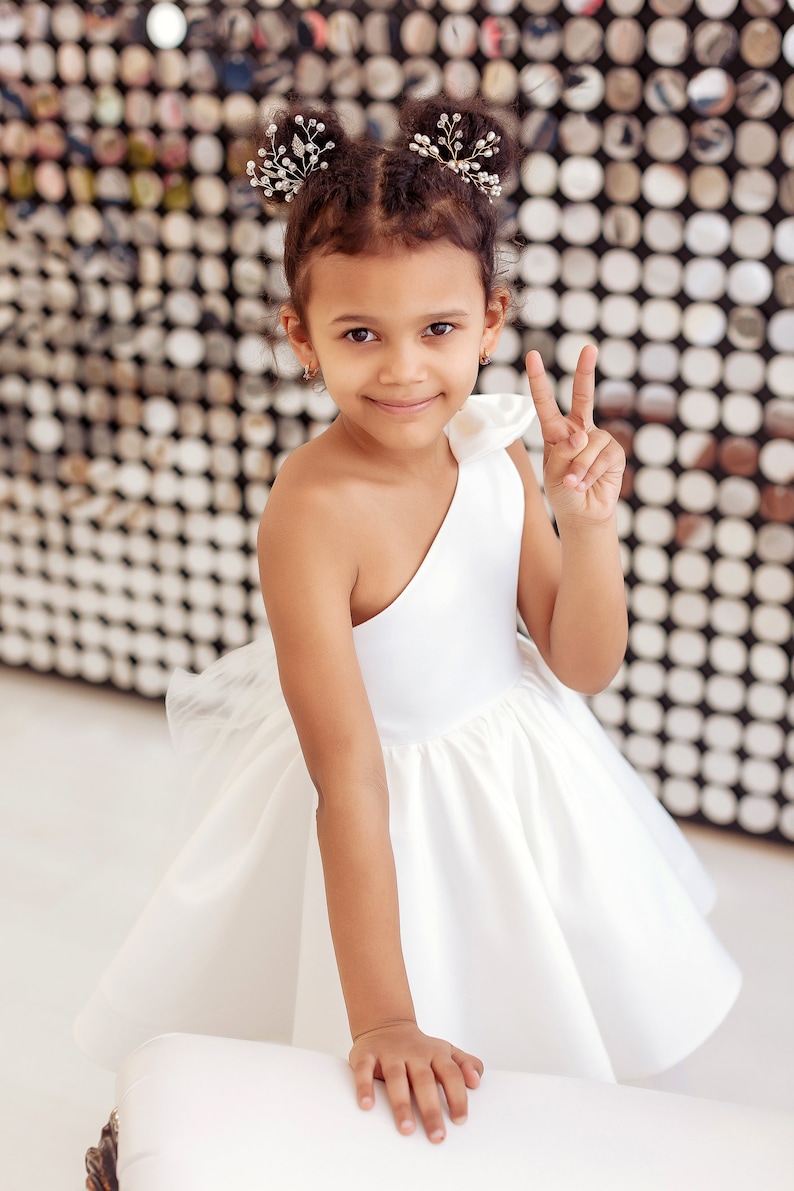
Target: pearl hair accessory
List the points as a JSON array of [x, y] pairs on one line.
[[448, 147], [280, 173]]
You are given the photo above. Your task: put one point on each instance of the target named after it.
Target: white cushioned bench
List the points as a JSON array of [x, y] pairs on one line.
[[215, 1114]]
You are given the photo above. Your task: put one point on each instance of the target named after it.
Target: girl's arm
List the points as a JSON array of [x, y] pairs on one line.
[[571, 593], [308, 572]]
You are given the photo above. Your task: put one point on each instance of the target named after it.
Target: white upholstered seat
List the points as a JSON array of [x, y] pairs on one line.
[[200, 1113]]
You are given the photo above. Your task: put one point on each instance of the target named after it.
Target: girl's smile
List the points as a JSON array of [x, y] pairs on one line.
[[405, 408]]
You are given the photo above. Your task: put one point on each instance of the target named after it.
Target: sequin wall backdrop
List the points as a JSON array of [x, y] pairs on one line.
[[655, 213]]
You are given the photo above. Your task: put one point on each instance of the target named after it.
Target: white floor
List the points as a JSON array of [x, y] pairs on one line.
[[88, 788]]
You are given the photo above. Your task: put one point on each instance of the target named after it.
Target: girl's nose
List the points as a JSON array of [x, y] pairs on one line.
[[402, 364]]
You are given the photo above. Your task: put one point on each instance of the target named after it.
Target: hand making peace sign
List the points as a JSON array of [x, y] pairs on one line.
[[582, 466]]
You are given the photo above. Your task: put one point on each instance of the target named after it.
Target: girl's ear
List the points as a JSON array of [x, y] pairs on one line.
[[495, 315], [297, 336]]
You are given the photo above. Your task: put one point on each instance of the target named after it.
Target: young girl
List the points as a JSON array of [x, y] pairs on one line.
[[488, 881]]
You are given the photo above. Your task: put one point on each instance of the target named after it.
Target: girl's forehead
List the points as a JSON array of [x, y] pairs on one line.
[[405, 275]]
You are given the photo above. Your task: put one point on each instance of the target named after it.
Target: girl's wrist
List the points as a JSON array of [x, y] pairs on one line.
[[367, 1013], [387, 1024], [587, 529]]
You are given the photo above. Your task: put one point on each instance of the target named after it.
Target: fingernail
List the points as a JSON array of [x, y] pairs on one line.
[[476, 1075], [367, 1102], [460, 1120], [407, 1126], [437, 1135]]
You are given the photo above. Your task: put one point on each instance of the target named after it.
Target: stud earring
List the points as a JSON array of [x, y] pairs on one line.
[[310, 373], [484, 358]]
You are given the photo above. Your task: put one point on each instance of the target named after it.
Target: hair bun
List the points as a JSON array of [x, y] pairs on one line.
[[291, 147], [474, 122]]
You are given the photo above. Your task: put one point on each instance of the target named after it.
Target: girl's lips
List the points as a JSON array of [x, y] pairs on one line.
[[404, 407]]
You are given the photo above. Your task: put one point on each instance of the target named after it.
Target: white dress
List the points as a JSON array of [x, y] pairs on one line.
[[552, 913]]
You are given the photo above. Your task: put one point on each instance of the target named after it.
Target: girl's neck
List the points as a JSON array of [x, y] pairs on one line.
[[399, 464]]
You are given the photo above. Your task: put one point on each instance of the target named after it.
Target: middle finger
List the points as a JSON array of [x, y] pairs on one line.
[[452, 1080], [583, 394], [428, 1101]]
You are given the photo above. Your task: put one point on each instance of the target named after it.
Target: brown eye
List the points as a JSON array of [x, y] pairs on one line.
[[439, 329], [358, 335]]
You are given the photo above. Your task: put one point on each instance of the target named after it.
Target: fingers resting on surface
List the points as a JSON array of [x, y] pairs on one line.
[[414, 1067]]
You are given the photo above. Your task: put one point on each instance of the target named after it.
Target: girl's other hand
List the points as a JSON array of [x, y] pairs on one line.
[[409, 1061], [582, 466]]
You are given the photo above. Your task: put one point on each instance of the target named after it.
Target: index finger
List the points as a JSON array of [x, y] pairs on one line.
[[583, 393], [552, 423]]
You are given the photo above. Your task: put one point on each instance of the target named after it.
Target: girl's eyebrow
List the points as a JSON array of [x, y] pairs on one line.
[[425, 319]]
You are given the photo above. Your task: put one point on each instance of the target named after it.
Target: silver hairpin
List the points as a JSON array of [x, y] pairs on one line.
[[447, 152], [287, 174]]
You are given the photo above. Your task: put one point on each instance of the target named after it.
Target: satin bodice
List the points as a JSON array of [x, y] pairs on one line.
[[447, 645]]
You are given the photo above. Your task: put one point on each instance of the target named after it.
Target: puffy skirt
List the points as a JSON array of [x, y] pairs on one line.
[[552, 913]]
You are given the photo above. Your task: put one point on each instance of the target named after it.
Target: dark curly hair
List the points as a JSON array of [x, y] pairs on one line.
[[371, 198]]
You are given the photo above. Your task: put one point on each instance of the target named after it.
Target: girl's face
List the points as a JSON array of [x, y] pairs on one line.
[[398, 337]]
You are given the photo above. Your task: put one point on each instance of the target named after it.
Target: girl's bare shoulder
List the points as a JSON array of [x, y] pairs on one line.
[[310, 502]]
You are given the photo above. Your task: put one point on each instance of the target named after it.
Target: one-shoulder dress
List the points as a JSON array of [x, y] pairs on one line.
[[552, 913]]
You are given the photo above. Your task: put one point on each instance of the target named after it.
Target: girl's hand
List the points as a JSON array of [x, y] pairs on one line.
[[409, 1061], [582, 466]]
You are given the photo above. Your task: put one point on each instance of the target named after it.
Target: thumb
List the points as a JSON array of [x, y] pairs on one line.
[[557, 467], [576, 443], [566, 450]]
